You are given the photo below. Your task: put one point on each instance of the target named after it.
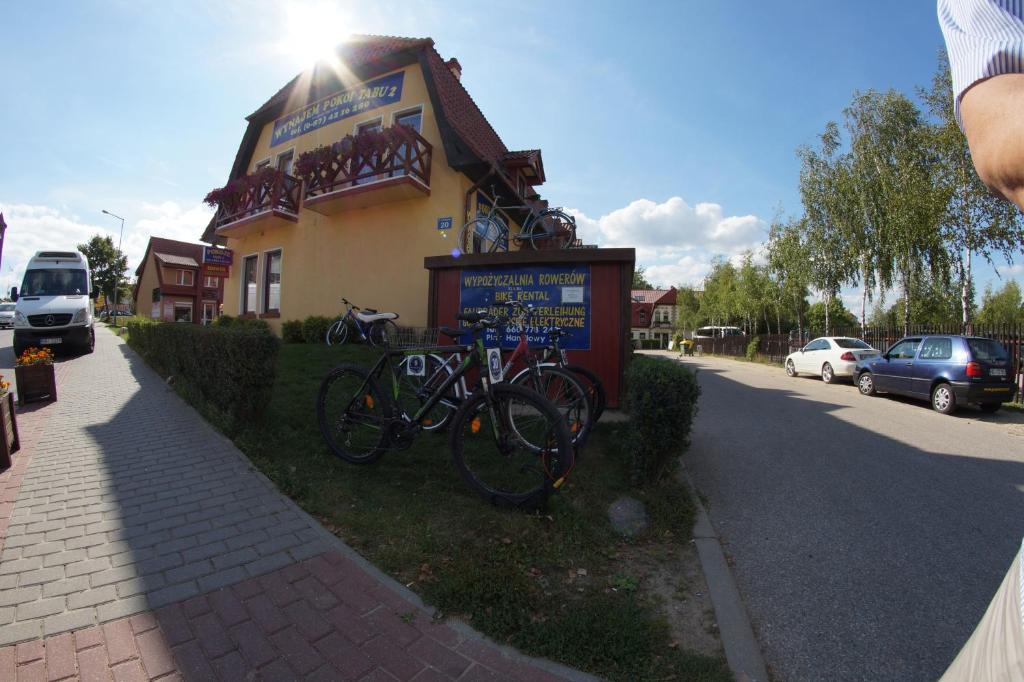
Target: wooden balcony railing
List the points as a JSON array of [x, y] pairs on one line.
[[265, 193], [367, 161]]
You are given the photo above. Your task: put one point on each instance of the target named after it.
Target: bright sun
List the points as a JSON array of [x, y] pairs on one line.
[[313, 30]]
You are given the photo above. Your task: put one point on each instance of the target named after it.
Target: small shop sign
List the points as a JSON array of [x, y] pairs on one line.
[[217, 255], [444, 223]]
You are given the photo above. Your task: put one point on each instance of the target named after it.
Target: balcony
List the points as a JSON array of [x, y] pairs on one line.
[[371, 168], [265, 199]]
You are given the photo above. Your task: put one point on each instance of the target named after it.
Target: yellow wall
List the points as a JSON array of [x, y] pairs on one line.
[[371, 256], [147, 282]]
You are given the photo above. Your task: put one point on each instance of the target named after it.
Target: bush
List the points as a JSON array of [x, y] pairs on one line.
[[314, 328], [649, 344], [752, 348], [226, 372], [241, 323], [291, 332], [224, 321], [661, 398]]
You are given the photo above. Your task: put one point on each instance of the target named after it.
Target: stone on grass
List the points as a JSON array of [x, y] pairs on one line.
[[628, 516]]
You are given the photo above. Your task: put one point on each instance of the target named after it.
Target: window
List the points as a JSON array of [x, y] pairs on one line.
[[904, 350], [411, 119], [643, 336], [987, 350], [249, 284], [212, 282], [265, 163], [368, 163], [937, 349], [209, 311], [184, 278], [643, 317], [272, 282], [850, 343], [182, 311], [284, 161]]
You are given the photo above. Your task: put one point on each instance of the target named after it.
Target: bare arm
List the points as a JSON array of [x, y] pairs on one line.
[[992, 112]]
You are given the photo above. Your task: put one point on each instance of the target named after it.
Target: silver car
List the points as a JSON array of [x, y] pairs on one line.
[[6, 315]]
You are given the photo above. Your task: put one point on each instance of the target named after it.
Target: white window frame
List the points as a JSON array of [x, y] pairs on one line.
[[257, 164], [408, 110], [180, 279], [216, 282], [263, 280], [359, 124], [213, 306], [184, 304], [242, 292], [277, 157]]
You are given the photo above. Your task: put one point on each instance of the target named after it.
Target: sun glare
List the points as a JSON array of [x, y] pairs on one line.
[[312, 31]]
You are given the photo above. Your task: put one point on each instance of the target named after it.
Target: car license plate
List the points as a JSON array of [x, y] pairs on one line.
[[50, 342], [996, 372]]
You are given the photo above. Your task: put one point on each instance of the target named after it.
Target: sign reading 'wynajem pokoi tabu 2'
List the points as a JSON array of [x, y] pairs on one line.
[[364, 97]]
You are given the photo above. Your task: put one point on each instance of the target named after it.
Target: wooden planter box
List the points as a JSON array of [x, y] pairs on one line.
[[36, 382], [9, 443]]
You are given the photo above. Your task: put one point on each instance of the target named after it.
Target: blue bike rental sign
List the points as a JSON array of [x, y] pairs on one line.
[[559, 294]]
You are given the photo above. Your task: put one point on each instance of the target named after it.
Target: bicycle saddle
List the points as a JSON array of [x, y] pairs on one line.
[[472, 318], [364, 317], [452, 332], [557, 332]]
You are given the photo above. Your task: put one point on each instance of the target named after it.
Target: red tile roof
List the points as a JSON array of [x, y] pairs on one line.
[[654, 296], [171, 247]]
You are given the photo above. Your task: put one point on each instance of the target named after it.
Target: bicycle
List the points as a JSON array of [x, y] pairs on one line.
[[372, 326], [509, 444], [566, 391], [488, 232], [555, 355]]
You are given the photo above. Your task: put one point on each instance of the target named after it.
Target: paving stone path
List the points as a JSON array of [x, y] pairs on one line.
[[138, 543]]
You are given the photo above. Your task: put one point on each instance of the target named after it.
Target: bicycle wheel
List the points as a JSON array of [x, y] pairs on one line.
[[353, 413], [381, 330], [552, 229], [414, 390], [599, 398], [492, 437], [337, 333], [483, 235], [567, 395]]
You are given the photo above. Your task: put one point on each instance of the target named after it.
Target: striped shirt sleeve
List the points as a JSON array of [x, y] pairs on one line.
[[984, 38]]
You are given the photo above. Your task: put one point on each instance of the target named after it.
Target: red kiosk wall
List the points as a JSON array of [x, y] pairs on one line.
[[611, 278]]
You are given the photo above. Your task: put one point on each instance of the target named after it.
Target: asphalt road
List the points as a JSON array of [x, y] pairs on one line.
[[867, 534]]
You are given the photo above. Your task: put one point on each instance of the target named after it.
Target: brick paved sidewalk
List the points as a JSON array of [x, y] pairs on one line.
[[142, 545]]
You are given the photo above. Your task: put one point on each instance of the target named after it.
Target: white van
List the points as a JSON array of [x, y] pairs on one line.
[[54, 306]]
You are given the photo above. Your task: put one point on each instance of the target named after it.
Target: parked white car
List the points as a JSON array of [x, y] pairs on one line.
[[829, 357]]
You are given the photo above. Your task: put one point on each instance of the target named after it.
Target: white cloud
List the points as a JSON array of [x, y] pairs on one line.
[[32, 228], [674, 241]]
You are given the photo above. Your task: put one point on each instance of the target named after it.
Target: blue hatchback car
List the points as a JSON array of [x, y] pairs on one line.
[[949, 370]]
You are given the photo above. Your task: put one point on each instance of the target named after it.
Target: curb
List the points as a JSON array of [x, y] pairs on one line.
[[742, 651]]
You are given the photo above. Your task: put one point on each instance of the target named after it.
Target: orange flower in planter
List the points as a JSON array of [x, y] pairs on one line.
[[35, 356]]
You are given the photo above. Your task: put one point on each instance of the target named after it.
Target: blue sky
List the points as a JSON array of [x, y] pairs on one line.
[[669, 126]]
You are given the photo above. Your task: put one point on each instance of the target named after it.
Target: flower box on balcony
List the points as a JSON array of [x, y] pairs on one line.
[[265, 199], [9, 442], [36, 381]]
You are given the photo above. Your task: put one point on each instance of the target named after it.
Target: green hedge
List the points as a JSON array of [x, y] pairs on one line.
[[314, 328], [661, 398], [291, 332], [224, 371], [648, 344]]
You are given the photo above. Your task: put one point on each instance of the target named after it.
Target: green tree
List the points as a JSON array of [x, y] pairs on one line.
[[788, 263], [689, 315], [1002, 307], [834, 311], [108, 265], [974, 220], [640, 280], [721, 303], [893, 161]]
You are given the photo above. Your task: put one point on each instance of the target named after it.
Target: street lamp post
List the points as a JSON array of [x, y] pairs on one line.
[[117, 283]]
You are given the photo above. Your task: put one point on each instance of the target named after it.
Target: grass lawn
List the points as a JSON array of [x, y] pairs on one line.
[[557, 584]]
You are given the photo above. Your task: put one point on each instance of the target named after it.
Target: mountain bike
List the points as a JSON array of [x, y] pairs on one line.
[[488, 232], [554, 354], [567, 391], [370, 325], [508, 443]]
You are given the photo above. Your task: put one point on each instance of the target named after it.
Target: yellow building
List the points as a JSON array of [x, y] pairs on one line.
[[345, 178]]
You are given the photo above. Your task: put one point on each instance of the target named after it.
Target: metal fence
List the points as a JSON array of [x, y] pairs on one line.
[[775, 347]]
